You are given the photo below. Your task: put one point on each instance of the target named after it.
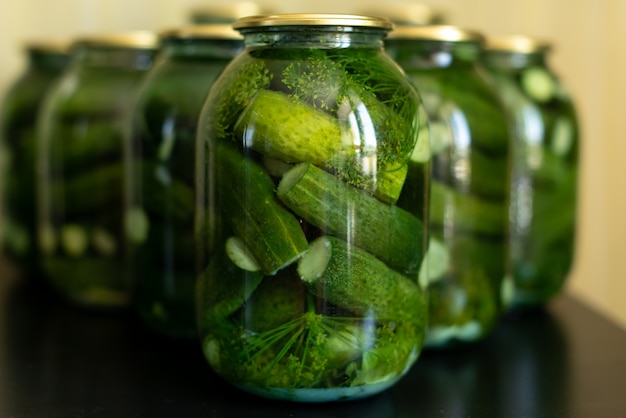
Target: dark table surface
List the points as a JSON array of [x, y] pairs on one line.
[[56, 361]]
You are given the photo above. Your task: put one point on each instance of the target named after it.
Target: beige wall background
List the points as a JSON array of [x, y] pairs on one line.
[[590, 55]]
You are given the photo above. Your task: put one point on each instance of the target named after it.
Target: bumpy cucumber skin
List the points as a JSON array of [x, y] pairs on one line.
[[246, 193], [544, 179], [301, 134], [355, 280], [389, 232], [277, 300], [312, 135]]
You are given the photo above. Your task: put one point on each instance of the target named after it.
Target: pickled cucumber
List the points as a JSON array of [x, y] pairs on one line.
[[390, 233]]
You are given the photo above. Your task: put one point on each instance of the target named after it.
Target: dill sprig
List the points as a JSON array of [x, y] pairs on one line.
[[314, 351], [339, 82], [235, 90]]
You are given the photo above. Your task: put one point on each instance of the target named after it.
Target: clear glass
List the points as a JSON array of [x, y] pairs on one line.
[[545, 174], [312, 195], [80, 175], [161, 178], [17, 131], [470, 140]]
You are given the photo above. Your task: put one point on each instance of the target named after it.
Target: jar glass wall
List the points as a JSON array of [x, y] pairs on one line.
[[470, 139], [21, 104], [312, 197], [545, 166], [80, 169], [161, 178]]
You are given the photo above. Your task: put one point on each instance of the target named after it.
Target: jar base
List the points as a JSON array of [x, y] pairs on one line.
[[319, 395], [442, 336]]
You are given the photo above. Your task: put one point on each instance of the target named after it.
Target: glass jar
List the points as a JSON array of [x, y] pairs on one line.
[[161, 179], [470, 138], [80, 188], [307, 144], [45, 62], [545, 166]]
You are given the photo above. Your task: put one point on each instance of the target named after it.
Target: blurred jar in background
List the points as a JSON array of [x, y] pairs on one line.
[[224, 12], [80, 169], [545, 166], [470, 138], [161, 179], [45, 62]]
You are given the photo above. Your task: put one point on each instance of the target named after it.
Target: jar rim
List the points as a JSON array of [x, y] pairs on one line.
[[313, 19], [129, 40], [445, 33], [204, 31], [407, 14], [523, 44], [226, 10]]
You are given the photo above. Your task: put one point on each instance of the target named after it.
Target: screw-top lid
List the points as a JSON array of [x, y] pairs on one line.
[[208, 31], [129, 40], [224, 12], [522, 44], [50, 46], [313, 19], [444, 33], [409, 13]]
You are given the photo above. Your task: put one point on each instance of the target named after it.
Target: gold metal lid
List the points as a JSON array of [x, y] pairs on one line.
[[225, 10], [130, 40], [522, 44], [445, 33], [406, 13], [205, 31], [313, 19], [50, 46]]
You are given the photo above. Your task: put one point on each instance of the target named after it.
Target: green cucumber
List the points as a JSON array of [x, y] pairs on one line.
[[538, 84], [276, 301], [388, 232], [74, 240], [465, 102], [47, 239], [427, 144], [301, 134], [165, 196], [466, 212], [245, 192], [89, 280], [91, 190], [307, 134], [136, 225], [389, 184], [469, 297], [563, 136], [223, 288], [436, 262], [240, 255], [488, 175], [441, 137], [353, 279], [103, 242]]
